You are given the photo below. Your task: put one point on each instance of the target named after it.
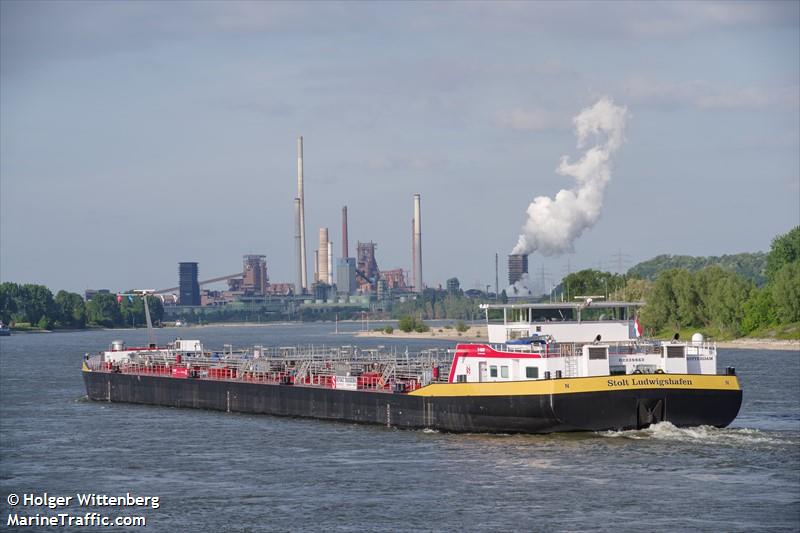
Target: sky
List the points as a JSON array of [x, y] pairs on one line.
[[135, 135]]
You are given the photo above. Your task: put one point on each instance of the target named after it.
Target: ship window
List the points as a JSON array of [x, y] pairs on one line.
[[493, 371], [532, 372], [504, 372], [597, 353], [674, 352], [461, 378]]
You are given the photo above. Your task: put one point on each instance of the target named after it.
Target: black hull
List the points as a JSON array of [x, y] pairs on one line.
[[536, 413]]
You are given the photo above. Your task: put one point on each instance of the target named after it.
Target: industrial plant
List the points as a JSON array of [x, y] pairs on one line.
[[338, 281], [340, 284]]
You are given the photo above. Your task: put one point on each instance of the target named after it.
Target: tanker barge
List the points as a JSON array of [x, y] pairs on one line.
[[530, 382]]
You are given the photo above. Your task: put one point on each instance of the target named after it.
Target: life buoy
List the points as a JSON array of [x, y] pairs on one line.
[[659, 371], [637, 371]]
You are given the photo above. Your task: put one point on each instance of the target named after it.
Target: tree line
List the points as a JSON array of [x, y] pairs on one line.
[[438, 303], [725, 301], [31, 305], [722, 295], [750, 266]]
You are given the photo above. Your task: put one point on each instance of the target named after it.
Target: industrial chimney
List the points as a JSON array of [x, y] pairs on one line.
[[413, 255], [329, 281], [298, 243], [417, 245], [302, 216], [322, 257], [345, 252]]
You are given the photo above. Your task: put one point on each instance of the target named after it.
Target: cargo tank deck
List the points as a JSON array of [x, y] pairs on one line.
[[346, 367]]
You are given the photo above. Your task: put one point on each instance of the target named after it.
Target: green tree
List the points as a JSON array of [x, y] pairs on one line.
[[688, 310], [590, 282], [748, 265], [71, 310], [759, 310], [409, 323], [785, 289], [785, 249], [132, 310], [37, 305], [9, 293], [725, 301], [661, 309], [103, 310], [634, 290], [406, 323]]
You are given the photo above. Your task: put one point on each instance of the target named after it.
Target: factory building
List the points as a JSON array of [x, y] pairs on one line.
[[517, 266], [367, 266], [346, 275], [255, 280], [395, 279], [188, 286]]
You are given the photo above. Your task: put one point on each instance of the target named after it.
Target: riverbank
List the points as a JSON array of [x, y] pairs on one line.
[[747, 343], [472, 334]]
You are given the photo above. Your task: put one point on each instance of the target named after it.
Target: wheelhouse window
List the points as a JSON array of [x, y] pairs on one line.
[[597, 353], [493, 371], [532, 372], [675, 352], [504, 372]]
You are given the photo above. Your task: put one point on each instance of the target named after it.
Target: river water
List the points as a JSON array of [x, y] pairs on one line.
[[229, 472]]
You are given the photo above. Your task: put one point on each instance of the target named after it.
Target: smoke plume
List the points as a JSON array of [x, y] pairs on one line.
[[554, 223], [521, 288]]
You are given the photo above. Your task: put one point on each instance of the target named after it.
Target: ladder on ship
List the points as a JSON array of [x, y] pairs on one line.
[[571, 366], [301, 370], [388, 370]]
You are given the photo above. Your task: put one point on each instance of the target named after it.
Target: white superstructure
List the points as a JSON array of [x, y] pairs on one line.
[[544, 341]]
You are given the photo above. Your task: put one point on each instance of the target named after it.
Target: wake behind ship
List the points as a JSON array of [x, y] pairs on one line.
[[525, 381]]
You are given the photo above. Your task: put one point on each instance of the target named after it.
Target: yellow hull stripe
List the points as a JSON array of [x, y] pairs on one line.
[[575, 385]]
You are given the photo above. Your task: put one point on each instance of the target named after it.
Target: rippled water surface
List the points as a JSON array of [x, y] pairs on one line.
[[229, 472]]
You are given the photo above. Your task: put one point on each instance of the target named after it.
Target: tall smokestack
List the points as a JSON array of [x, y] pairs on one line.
[[322, 257], [301, 197], [345, 252], [330, 264], [413, 256], [417, 244], [298, 244], [496, 274]]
